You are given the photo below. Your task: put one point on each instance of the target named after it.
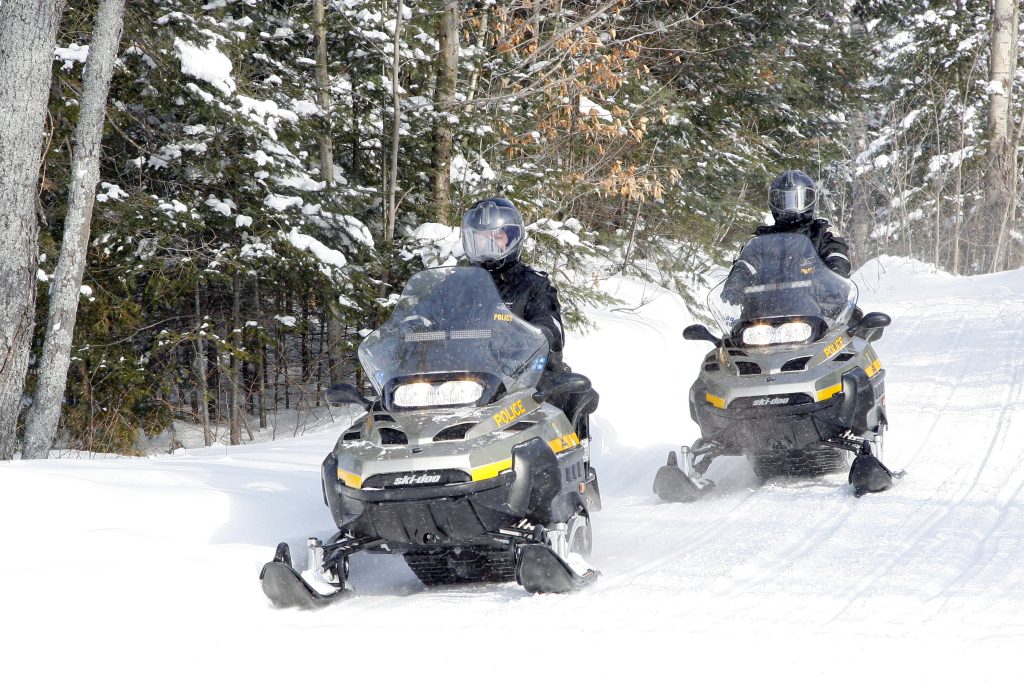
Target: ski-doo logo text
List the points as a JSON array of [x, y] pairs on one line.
[[770, 402], [408, 479], [509, 414]]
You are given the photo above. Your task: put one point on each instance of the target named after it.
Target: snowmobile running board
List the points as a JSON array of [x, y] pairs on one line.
[[541, 570], [286, 588]]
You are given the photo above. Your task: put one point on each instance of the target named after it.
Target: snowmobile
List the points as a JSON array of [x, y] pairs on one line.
[[460, 465], [793, 383]]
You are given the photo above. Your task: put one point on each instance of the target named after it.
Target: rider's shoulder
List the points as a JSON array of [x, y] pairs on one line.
[[534, 276], [828, 230]]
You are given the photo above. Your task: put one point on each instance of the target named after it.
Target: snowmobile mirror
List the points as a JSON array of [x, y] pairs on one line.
[[870, 321], [569, 383], [700, 333], [340, 394]]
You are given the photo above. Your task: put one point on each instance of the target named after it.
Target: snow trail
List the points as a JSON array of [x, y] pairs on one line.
[[123, 561]]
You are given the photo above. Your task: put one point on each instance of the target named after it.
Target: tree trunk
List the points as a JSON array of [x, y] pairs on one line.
[[1001, 159], [261, 359], [202, 383], [65, 287], [234, 372], [444, 105], [860, 206], [481, 34], [389, 226], [323, 85], [28, 35]]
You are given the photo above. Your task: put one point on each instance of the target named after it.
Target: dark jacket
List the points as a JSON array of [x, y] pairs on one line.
[[833, 249], [530, 295]]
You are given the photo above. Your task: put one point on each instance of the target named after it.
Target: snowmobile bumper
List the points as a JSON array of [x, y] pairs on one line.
[[427, 515], [541, 488], [746, 428]]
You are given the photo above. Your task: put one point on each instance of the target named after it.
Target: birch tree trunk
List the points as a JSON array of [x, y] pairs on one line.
[[41, 424], [860, 202], [444, 104], [28, 35], [1001, 166]]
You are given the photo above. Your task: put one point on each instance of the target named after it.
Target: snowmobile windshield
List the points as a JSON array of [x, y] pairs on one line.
[[780, 292], [451, 342]]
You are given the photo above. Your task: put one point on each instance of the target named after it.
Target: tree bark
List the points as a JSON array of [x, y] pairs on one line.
[[323, 84], [389, 226], [41, 423], [235, 368], [28, 35], [202, 370], [444, 105], [1001, 162], [860, 206]]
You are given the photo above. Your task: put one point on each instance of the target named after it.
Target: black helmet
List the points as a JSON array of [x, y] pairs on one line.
[[493, 233], [792, 196]]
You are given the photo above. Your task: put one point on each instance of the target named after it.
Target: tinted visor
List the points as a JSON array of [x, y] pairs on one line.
[[490, 232], [797, 200], [489, 245]]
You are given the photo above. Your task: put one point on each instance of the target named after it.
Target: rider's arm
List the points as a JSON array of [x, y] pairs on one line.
[[835, 252], [543, 311]]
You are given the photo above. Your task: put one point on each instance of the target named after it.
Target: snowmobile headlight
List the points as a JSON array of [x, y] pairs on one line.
[[425, 394], [786, 333]]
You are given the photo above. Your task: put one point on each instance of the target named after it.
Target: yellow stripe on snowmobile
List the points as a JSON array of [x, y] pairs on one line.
[[351, 480], [873, 369], [564, 443], [716, 401], [826, 394], [492, 470]]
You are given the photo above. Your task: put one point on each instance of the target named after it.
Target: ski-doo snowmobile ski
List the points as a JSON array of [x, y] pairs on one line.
[[286, 588], [684, 483], [793, 384], [461, 465]]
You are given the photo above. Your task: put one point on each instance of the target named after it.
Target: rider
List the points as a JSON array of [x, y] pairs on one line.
[[792, 198], [493, 233]]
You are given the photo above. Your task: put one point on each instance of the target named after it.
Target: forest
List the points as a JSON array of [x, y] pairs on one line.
[[205, 206]]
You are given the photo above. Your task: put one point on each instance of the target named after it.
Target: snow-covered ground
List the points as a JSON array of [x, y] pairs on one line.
[[146, 569]]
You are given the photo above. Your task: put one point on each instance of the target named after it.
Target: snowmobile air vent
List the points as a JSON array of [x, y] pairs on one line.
[[392, 437], [747, 368], [711, 367], [455, 432], [843, 357], [351, 436], [383, 417], [428, 478], [770, 401], [737, 352], [795, 364], [519, 426]]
